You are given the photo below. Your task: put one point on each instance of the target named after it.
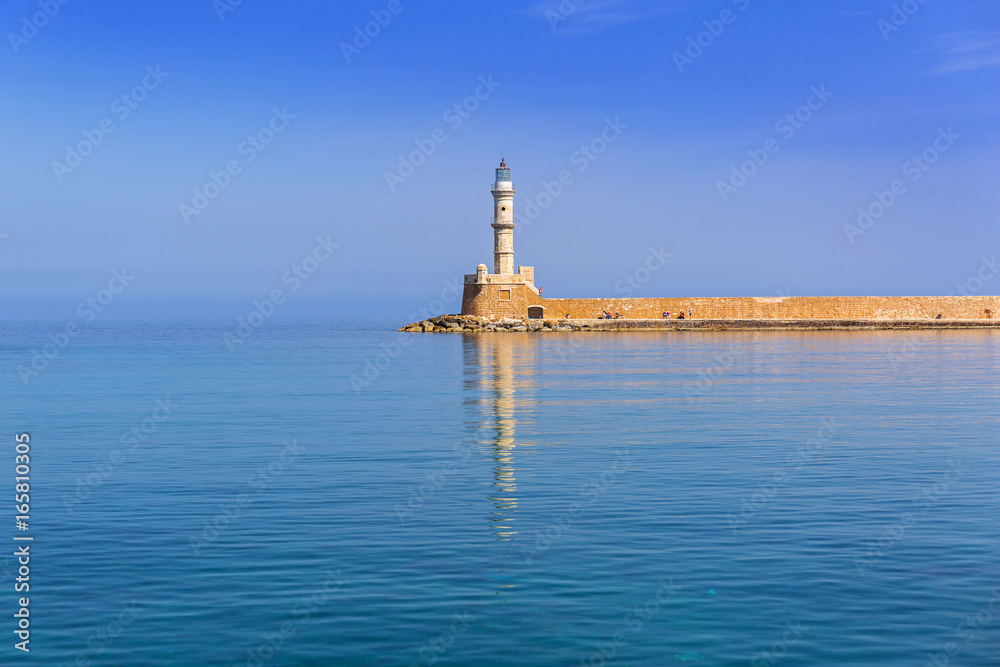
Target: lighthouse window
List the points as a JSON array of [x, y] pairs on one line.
[[503, 208], [505, 295]]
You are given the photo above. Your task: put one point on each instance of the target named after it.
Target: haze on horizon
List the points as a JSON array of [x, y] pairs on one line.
[[303, 128]]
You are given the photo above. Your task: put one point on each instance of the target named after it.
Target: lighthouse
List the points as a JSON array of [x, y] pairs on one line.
[[503, 221], [508, 291]]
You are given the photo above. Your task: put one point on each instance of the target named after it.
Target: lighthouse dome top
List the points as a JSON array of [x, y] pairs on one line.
[[503, 172]]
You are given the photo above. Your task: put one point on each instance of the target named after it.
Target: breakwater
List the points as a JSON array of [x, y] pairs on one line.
[[476, 324]]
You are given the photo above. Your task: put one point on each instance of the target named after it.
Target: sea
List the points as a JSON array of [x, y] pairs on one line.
[[337, 493]]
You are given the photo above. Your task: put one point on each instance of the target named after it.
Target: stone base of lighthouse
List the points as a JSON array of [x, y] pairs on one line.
[[498, 295]]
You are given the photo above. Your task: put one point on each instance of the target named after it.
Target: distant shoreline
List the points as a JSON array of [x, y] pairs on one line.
[[474, 324]]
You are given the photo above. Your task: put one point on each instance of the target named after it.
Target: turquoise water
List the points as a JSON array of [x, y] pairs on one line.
[[792, 498]]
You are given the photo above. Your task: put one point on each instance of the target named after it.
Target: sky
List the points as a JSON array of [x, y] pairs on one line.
[[186, 159]]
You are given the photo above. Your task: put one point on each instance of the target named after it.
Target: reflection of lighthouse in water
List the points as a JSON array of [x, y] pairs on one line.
[[504, 482], [493, 360]]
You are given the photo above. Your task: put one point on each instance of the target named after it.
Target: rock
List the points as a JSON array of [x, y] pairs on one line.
[[545, 329], [454, 326], [520, 328]]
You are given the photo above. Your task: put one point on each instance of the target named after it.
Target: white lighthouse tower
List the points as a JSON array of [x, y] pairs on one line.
[[503, 221], [503, 293]]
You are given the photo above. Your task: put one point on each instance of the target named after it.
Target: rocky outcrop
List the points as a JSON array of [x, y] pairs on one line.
[[472, 323]]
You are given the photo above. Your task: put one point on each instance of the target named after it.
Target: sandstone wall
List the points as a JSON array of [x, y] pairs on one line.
[[484, 300], [486, 303]]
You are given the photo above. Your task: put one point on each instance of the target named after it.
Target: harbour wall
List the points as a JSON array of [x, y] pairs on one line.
[[786, 308], [489, 301]]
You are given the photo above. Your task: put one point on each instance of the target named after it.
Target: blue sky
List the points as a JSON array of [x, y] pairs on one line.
[[895, 85]]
